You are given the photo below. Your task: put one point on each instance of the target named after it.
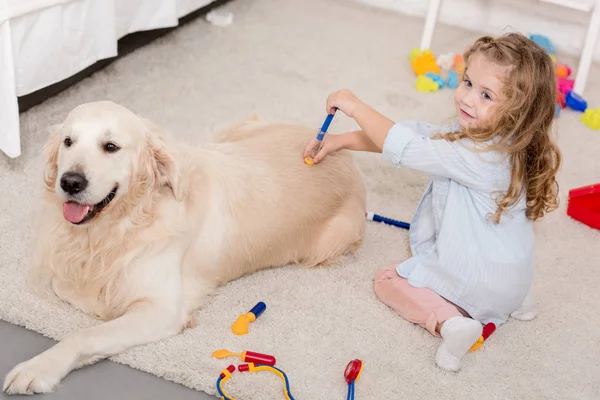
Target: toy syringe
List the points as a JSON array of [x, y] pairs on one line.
[[316, 145], [371, 216]]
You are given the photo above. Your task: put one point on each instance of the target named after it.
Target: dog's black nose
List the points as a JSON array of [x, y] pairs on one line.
[[73, 182]]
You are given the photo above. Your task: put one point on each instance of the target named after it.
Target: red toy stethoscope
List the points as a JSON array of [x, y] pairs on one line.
[[352, 373]]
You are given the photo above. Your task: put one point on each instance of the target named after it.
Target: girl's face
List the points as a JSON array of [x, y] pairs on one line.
[[479, 92]]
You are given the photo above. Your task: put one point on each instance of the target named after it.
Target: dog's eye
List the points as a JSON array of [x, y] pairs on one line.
[[110, 147], [68, 142]]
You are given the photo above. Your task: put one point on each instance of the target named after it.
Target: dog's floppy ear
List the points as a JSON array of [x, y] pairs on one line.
[[50, 154], [165, 169]]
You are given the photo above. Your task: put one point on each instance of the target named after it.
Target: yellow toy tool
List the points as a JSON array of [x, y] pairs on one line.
[[488, 329], [240, 326]]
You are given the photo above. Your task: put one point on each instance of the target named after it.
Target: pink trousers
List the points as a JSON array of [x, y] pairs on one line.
[[418, 305]]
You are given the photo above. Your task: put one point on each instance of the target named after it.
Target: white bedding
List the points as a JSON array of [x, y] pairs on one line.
[[45, 41]]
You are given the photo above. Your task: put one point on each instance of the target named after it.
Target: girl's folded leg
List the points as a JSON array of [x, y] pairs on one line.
[[528, 309], [428, 309], [459, 334]]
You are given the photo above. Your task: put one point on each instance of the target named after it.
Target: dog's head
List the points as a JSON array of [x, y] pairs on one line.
[[104, 154]]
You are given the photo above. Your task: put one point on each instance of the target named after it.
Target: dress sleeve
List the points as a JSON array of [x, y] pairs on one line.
[[409, 145]]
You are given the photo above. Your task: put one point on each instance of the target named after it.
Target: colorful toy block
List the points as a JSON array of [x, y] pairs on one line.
[[591, 118], [584, 205], [436, 78], [453, 79], [459, 64], [446, 61], [560, 99], [426, 84], [544, 42], [562, 70], [424, 63], [575, 101], [565, 85]]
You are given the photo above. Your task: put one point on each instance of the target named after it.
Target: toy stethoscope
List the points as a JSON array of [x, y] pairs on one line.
[[351, 374]]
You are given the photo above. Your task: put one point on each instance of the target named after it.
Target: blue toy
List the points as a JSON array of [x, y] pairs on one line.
[[371, 216], [320, 136], [544, 43], [325, 125], [557, 110], [575, 101], [453, 79], [436, 78]]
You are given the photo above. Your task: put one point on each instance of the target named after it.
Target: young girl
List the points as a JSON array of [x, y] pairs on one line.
[[492, 173]]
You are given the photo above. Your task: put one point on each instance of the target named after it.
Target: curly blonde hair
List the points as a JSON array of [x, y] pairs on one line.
[[521, 125]]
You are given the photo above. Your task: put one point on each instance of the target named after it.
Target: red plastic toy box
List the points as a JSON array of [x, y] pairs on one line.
[[584, 205]]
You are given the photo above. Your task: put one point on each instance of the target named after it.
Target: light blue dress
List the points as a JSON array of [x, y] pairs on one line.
[[457, 250]]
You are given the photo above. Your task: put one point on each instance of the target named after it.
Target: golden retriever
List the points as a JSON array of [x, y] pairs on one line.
[[136, 228]]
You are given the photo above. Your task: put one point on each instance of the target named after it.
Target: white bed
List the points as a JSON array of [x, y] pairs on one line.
[[45, 41]]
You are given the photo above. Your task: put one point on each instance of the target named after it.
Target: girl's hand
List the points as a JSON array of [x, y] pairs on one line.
[[319, 149], [344, 100]]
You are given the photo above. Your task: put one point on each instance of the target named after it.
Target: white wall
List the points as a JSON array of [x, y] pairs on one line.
[[565, 28]]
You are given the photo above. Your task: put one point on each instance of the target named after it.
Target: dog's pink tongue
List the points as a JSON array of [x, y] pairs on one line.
[[74, 212]]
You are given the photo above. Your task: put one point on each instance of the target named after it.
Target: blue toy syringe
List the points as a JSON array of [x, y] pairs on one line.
[[371, 216], [316, 145]]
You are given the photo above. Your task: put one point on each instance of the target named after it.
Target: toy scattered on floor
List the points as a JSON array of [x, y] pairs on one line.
[[562, 73], [224, 377], [584, 205], [591, 118], [371, 216], [544, 42], [488, 329], [426, 84], [320, 136], [247, 356], [447, 69], [431, 72], [436, 78], [251, 367], [565, 85], [416, 52], [574, 101], [453, 79], [560, 99], [446, 61], [351, 374], [565, 96], [240, 326], [562, 70], [423, 62], [459, 64]]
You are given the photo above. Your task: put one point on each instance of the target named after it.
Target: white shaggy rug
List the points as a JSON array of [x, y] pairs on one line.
[[281, 59]]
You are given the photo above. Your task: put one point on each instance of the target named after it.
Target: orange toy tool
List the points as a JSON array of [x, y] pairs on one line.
[[488, 329], [247, 356], [240, 326]]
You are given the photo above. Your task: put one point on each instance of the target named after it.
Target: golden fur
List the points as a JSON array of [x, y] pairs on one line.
[[185, 219]]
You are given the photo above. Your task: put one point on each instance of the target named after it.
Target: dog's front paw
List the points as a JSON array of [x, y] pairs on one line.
[[38, 375]]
